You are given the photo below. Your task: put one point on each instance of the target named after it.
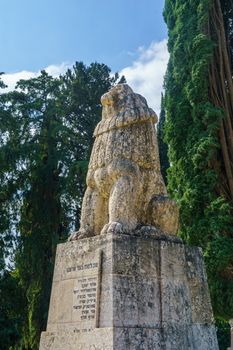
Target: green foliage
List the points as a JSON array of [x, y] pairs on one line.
[[45, 142], [223, 334], [9, 151], [191, 130], [41, 224], [11, 310]]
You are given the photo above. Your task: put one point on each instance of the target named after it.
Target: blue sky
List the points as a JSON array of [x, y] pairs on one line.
[[35, 34]]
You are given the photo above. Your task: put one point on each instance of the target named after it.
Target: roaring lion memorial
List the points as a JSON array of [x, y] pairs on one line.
[[124, 182], [125, 281]]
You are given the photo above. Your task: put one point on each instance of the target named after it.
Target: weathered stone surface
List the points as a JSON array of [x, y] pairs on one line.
[[197, 283], [125, 187], [146, 293], [190, 337], [97, 339], [143, 290], [163, 213], [137, 339]]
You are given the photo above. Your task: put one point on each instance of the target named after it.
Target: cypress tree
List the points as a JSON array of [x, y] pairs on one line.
[[40, 226], [198, 127]]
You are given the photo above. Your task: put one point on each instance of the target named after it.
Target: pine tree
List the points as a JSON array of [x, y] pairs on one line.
[[199, 133]]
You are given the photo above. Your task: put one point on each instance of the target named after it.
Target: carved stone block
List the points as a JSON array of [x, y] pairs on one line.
[[129, 292]]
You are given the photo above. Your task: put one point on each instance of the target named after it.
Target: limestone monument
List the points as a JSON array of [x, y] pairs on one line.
[[124, 184], [125, 281]]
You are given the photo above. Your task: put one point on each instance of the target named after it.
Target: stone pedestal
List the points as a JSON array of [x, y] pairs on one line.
[[129, 292]]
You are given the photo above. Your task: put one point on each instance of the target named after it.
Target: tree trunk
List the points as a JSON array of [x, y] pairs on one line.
[[221, 94]]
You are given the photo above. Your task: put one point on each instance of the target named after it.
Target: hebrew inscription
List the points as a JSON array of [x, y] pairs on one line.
[[76, 293], [85, 297], [86, 293]]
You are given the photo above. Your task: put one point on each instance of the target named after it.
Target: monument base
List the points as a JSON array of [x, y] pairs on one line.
[[120, 292]]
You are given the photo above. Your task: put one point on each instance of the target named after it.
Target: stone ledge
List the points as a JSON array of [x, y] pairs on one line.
[[170, 337]]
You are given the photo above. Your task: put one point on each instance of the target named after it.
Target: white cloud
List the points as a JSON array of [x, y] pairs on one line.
[[146, 73], [56, 70], [11, 79]]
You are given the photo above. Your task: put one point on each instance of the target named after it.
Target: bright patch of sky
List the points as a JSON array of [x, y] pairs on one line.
[[146, 73], [127, 35]]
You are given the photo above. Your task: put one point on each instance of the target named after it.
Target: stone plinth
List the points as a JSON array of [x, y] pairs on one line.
[[126, 292]]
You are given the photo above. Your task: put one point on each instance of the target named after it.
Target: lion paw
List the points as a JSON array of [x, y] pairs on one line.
[[79, 235], [113, 227]]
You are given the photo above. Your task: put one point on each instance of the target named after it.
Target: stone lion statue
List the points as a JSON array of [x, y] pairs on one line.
[[125, 188]]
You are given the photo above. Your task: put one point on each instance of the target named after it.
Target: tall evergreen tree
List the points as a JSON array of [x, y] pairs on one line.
[[8, 142], [41, 223], [11, 298], [199, 133]]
